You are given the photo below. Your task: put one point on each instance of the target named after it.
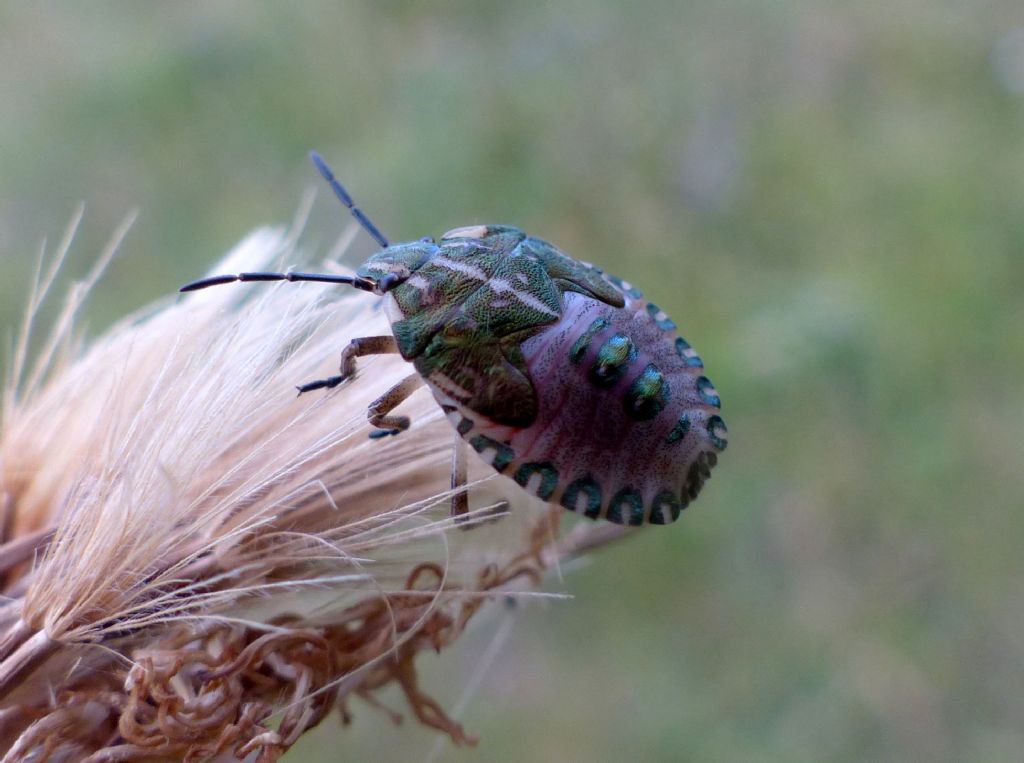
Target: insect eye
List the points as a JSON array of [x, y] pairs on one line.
[[388, 281]]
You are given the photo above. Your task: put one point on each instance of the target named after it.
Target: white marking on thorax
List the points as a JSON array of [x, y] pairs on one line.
[[501, 286], [417, 281], [392, 310], [460, 267], [391, 267], [469, 231]]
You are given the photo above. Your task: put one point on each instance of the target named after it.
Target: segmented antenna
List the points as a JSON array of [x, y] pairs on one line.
[[356, 281], [342, 194]]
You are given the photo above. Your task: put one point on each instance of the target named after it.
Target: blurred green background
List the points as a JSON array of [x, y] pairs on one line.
[[829, 199]]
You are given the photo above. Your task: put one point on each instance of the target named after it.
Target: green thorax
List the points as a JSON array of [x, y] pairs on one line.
[[466, 304]]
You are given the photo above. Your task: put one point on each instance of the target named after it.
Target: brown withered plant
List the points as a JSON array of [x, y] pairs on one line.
[[198, 564]]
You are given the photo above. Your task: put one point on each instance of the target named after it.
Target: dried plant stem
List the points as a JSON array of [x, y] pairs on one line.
[[28, 655], [198, 564], [23, 548]]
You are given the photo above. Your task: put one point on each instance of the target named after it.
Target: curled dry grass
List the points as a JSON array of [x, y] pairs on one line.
[[198, 564]]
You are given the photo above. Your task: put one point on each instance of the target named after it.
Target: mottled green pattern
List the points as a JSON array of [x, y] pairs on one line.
[[486, 375], [400, 259], [431, 307], [631, 291], [582, 343], [572, 275], [502, 314], [612, 361], [647, 395], [468, 306]]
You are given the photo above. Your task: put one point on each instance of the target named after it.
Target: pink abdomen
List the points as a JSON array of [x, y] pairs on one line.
[[627, 426]]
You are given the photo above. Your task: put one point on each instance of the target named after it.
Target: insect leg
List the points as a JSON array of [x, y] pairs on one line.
[[357, 348], [460, 500], [366, 345], [383, 405]]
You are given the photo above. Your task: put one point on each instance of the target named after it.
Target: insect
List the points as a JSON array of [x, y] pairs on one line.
[[559, 375]]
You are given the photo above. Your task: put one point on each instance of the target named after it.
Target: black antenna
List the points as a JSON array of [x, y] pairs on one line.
[[356, 281], [342, 194], [359, 283]]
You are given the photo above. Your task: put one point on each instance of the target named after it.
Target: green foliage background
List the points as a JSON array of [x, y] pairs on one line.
[[829, 199]]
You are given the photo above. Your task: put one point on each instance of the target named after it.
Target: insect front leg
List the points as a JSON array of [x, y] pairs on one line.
[[383, 405], [357, 348]]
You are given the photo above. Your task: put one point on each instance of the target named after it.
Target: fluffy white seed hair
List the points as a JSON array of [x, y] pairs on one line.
[[196, 561]]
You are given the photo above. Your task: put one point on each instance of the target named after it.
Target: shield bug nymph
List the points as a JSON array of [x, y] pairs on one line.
[[560, 376]]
